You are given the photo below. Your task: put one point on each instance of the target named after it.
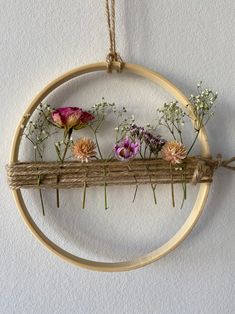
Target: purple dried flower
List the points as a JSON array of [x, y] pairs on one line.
[[136, 131], [126, 149], [155, 143]]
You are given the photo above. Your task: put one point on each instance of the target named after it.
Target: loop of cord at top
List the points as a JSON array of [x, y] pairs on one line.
[[112, 56]]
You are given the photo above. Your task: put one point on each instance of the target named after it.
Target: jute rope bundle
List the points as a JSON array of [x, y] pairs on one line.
[[74, 174]]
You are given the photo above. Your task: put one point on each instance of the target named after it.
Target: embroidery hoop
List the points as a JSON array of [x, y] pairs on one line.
[[153, 255]]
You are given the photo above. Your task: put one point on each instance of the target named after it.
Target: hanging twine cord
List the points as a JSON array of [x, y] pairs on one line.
[[112, 56]]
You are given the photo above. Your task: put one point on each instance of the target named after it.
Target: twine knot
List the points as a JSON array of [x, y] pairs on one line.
[[114, 57], [206, 167], [199, 172], [218, 161]]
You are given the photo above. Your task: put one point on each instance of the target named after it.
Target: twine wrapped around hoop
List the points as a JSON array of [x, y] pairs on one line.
[[74, 174]]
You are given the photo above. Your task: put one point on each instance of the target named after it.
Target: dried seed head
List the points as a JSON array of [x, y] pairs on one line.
[[84, 149], [174, 152]]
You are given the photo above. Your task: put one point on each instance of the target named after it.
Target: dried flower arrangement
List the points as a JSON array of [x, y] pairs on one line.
[[142, 155], [138, 154]]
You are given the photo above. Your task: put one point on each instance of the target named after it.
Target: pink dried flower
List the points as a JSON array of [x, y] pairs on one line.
[[126, 149], [71, 118], [84, 149], [174, 152]]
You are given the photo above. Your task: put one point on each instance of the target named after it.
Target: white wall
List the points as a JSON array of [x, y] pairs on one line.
[[186, 41]]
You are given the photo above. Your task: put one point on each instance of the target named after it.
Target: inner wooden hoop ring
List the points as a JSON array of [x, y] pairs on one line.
[[182, 232]]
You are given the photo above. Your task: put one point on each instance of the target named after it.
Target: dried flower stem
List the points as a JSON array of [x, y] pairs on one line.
[[172, 186], [153, 187], [84, 195], [194, 141], [40, 194], [39, 182], [179, 131], [151, 184], [136, 189], [57, 194], [96, 138], [37, 131], [199, 121], [154, 193], [145, 150], [172, 117], [58, 152], [171, 130], [67, 136], [36, 148], [42, 202], [184, 187], [97, 145], [105, 196]]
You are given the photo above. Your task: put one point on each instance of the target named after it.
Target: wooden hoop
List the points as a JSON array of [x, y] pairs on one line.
[[165, 248]]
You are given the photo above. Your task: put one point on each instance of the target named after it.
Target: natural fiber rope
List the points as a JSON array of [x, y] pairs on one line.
[[225, 163], [199, 172], [73, 174], [112, 55], [206, 165], [111, 25]]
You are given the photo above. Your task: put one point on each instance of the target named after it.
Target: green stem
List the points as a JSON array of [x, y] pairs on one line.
[[42, 203], [145, 149], [172, 187], [171, 130], [152, 186], [40, 195], [199, 121], [184, 187], [141, 154], [136, 186], [34, 144], [180, 134], [40, 191], [154, 193], [58, 153], [84, 196], [105, 196], [194, 141], [57, 194], [95, 130], [179, 131], [67, 137], [97, 145], [136, 189]]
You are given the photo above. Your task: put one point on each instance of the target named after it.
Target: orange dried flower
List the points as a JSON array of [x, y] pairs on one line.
[[174, 152], [84, 149]]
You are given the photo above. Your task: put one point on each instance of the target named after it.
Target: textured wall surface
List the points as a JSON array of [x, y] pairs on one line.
[[184, 40]]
